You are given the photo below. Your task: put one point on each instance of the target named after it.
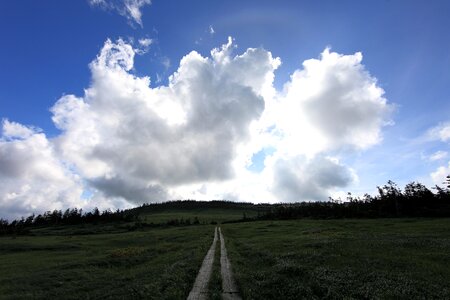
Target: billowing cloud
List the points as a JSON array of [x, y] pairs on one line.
[[31, 175], [131, 9], [308, 180], [127, 142], [124, 133], [333, 102]]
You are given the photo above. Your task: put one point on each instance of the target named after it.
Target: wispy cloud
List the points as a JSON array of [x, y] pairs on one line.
[[131, 9], [438, 155], [440, 132], [145, 42], [165, 61], [143, 45]]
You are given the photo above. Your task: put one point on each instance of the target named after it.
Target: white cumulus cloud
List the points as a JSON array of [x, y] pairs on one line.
[[129, 142], [332, 102], [32, 178], [133, 141]]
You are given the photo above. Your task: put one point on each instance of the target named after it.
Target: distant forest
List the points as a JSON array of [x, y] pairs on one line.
[[415, 200]]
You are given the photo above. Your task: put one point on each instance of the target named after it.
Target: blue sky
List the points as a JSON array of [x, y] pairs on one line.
[[48, 45]]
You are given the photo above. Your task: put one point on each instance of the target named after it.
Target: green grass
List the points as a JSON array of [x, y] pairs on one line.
[[159, 263], [313, 259], [112, 260], [336, 259]]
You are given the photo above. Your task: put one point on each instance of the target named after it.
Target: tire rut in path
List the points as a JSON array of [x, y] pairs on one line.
[[200, 288], [229, 288]]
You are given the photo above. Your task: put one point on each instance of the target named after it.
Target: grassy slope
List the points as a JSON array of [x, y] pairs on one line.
[[204, 215], [159, 263], [383, 258]]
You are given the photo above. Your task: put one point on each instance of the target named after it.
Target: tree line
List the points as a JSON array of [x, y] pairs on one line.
[[415, 200], [71, 216]]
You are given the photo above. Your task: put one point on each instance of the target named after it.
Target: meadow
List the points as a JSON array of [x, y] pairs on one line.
[[341, 259], [148, 264], [154, 257]]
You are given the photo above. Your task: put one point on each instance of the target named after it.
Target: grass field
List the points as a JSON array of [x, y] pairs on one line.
[[107, 260], [204, 212], [313, 259], [152, 264], [337, 259], [202, 215]]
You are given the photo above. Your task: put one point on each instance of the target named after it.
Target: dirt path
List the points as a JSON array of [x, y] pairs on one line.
[[200, 288], [229, 289]]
